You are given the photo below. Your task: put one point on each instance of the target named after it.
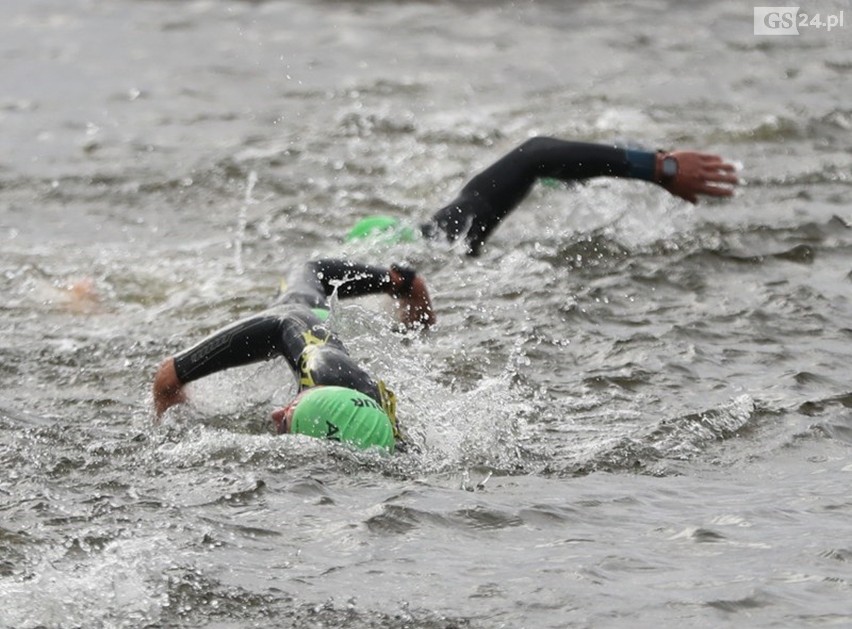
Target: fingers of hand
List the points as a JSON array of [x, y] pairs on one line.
[[713, 168], [719, 176], [715, 190]]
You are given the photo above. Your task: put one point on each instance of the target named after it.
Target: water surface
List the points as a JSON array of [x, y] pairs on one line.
[[632, 412]]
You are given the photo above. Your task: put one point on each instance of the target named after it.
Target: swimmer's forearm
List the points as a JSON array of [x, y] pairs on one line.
[[353, 279], [243, 343], [350, 279], [508, 180]]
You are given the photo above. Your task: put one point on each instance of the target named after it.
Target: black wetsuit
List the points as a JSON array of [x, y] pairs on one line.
[[492, 194], [294, 331]]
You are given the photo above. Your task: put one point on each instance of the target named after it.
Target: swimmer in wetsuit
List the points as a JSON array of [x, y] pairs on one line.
[[491, 195], [337, 399]]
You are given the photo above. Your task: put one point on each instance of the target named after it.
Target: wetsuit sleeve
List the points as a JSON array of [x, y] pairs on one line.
[[245, 342], [255, 339], [351, 279], [315, 356], [317, 280], [492, 194]]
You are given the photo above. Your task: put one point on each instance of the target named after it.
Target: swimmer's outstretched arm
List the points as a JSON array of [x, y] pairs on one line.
[[492, 194], [510, 178], [245, 342], [317, 280]]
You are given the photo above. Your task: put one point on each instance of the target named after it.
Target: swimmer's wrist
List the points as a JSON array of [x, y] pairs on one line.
[[641, 165], [666, 168]]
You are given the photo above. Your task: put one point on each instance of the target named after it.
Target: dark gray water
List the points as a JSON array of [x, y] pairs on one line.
[[632, 413]]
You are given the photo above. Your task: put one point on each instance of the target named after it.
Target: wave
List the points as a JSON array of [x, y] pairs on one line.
[[653, 449], [831, 126]]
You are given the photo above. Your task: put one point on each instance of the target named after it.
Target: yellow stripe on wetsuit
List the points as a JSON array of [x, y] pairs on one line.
[[307, 360]]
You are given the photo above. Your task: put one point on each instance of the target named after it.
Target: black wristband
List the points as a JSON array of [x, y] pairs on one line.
[[407, 275]]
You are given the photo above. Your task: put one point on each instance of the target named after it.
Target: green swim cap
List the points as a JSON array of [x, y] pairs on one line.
[[342, 414], [387, 226], [321, 313]]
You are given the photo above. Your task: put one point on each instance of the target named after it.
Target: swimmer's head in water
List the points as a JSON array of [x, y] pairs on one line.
[[338, 414], [384, 229]]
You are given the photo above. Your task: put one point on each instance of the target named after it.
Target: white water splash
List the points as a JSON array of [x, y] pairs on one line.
[[242, 221]]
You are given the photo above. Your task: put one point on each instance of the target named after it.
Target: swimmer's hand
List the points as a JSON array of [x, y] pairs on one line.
[[168, 389], [411, 297], [697, 173]]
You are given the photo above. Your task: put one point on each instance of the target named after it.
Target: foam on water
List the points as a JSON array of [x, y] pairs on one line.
[[120, 583]]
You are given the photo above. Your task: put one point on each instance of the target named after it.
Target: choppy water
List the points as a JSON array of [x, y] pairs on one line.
[[632, 413]]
